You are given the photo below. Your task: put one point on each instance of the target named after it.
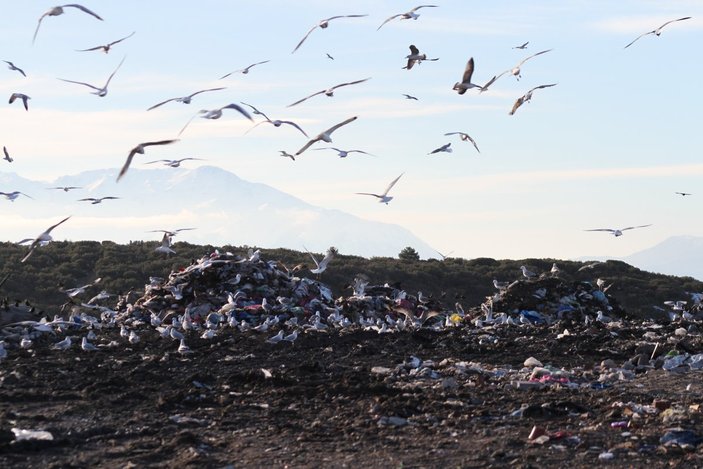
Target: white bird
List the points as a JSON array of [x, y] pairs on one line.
[[384, 197], [515, 71], [173, 163], [59, 10], [42, 239], [106, 48], [7, 156], [415, 57], [500, 285], [618, 232], [555, 270], [291, 337], [175, 334], [244, 70], [325, 136], [165, 246], [12, 66], [208, 334], [323, 24], [590, 265], [446, 148], [217, 113], [65, 188], [183, 348], [278, 123], [98, 200], [408, 15], [21, 96], [322, 265], [329, 92], [140, 149], [171, 233], [87, 346], [65, 344], [344, 153], [184, 99], [276, 338], [73, 292], [527, 97], [133, 337], [25, 343], [465, 138], [98, 91], [527, 273], [465, 83], [11, 196], [657, 31]]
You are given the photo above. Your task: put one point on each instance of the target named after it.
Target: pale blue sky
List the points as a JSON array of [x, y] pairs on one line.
[[607, 147]]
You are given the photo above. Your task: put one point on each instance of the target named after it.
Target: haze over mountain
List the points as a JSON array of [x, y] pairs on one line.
[[678, 255], [224, 208]]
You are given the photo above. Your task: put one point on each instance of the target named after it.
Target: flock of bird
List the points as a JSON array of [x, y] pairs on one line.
[[415, 58]]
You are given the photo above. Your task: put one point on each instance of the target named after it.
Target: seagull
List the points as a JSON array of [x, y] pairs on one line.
[[87, 346], [527, 273], [7, 157], [657, 31], [325, 136], [183, 348], [173, 163], [618, 232], [408, 15], [106, 47], [255, 111], [515, 71], [329, 91], [171, 233], [165, 245], [140, 149], [465, 83], [217, 113], [444, 148], [58, 10], [12, 66], [65, 188], [98, 91], [184, 99], [286, 154], [500, 285], [384, 197], [98, 200], [555, 270], [444, 256], [323, 24], [344, 153], [527, 97], [276, 339], [682, 194], [407, 96], [329, 56], [522, 46], [21, 96], [589, 266], [416, 57], [465, 138], [65, 344], [244, 70], [11, 196], [42, 239], [322, 265], [278, 123], [291, 337]]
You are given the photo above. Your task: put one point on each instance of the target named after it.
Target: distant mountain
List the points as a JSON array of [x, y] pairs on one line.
[[678, 255], [224, 208]]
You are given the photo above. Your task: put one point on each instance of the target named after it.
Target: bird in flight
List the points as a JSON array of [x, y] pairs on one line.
[[344, 153], [286, 154], [515, 71], [7, 156], [522, 46], [465, 138], [589, 265], [171, 233], [21, 96], [140, 149], [323, 24], [407, 96], [416, 57], [11, 196], [244, 70], [408, 15], [99, 91], [42, 239], [184, 99], [618, 232], [278, 123], [657, 31], [217, 113], [683, 194], [329, 91], [465, 83], [383, 197], [59, 10], [527, 97], [65, 188], [444, 148], [165, 246], [325, 136], [321, 266], [12, 66], [173, 163], [98, 200], [106, 48]]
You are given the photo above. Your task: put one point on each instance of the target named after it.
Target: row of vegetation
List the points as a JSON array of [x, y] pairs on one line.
[[62, 265]]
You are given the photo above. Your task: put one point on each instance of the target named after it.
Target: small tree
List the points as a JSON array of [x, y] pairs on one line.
[[409, 254]]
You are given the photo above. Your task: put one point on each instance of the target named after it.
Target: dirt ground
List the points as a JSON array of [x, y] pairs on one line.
[[356, 399]]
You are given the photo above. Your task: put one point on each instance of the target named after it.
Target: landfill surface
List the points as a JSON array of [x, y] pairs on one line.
[[239, 362]]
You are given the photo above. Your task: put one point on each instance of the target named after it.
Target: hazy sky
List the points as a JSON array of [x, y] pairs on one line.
[[605, 148]]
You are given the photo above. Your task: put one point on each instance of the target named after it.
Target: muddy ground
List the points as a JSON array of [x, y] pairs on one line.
[[354, 399]]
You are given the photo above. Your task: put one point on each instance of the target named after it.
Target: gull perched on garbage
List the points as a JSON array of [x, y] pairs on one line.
[[325, 136], [527, 273], [465, 138], [59, 10], [321, 266], [97, 200], [11, 196], [278, 123], [618, 232], [12, 66], [42, 239], [7, 156], [657, 31], [106, 48], [329, 91], [184, 99], [384, 197], [527, 97], [217, 113], [98, 91], [21, 96], [323, 24], [344, 153], [244, 70], [446, 148], [140, 149], [173, 163], [408, 15], [416, 57], [465, 83]]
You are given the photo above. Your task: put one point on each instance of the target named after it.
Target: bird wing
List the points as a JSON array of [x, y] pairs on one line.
[[542, 86], [87, 199], [109, 197], [313, 257], [307, 145], [343, 16], [673, 21], [335, 127], [81, 83], [307, 97], [468, 71], [209, 89], [120, 40], [296, 126], [161, 103], [518, 102], [187, 124], [392, 17], [125, 167], [113, 73], [633, 227], [638, 38], [414, 50], [455, 133], [159, 142], [48, 230], [368, 193], [256, 125], [609, 230], [91, 49], [82, 8], [390, 186], [423, 6], [158, 161], [34, 39], [7, 155], [240, 109], [304, 38], [350, 83], [533, 55]]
